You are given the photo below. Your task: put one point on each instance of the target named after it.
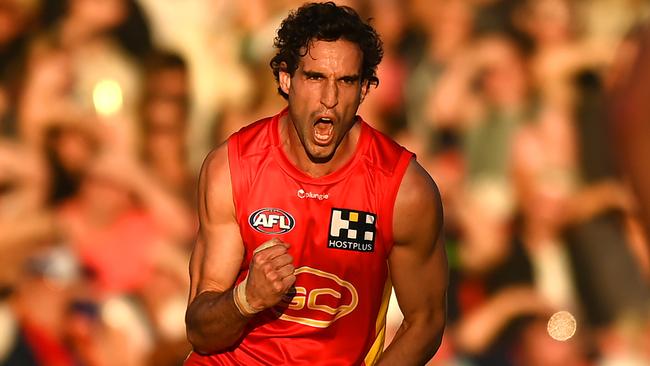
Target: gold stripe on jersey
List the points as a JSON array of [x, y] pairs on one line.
[[380, 326]]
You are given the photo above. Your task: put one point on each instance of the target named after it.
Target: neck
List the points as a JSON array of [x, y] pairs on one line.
[[296, 153]]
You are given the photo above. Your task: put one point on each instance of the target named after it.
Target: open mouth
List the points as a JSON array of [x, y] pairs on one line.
[[323, 131]]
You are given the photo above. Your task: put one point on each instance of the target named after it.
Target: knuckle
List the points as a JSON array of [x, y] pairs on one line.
[[258, 260], [272, 276], [277, 286]]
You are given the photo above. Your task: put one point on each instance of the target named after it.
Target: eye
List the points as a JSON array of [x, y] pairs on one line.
[[349, 80]]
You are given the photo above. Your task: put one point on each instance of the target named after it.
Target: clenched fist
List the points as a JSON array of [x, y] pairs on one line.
[[270, 274]]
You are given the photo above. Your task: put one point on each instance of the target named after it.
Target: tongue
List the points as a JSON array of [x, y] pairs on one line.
[[323, 131]]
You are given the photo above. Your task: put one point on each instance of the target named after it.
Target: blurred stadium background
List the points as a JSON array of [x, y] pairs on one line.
[[107, 108]]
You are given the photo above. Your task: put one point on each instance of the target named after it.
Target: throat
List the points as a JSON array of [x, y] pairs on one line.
[[299, 154]]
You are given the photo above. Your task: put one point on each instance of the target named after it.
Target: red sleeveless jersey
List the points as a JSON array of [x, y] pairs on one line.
[[340, 230]]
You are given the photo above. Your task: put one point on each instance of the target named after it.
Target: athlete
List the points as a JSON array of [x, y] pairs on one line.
[[308, 217]]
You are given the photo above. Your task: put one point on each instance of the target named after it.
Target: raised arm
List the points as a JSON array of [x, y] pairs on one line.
[[418, 267], [214, 322]]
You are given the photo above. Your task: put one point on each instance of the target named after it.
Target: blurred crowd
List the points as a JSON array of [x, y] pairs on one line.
[[107, 108]]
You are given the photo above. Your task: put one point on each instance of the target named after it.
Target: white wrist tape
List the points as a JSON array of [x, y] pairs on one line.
[[241, 302]]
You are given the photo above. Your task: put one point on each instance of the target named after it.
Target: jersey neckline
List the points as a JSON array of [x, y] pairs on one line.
[[290, 168]]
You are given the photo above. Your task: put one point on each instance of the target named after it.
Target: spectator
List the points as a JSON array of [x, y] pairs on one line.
[[120, 215]]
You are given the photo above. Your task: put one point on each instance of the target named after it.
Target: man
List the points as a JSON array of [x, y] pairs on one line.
[[303, 214]]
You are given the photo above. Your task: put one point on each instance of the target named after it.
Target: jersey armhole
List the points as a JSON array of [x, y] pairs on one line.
[[237, 178], [388, 204]]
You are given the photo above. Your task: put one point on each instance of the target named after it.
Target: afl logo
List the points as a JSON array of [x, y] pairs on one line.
[[271, 221]]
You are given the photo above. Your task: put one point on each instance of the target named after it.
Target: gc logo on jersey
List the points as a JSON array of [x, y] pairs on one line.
[[320, 298], [352, 230], [271, 221]]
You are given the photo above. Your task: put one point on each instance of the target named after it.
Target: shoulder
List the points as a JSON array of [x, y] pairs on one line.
[[253, 138], [215, 164], [385, 153], [248, 140], [418, 207], [215, 188]]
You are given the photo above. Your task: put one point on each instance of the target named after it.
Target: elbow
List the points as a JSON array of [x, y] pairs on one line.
[[206, 343], [200, 344], [206, 331], [437, 326], [433, 330], [203, 344], [429, 330], [196, 337]]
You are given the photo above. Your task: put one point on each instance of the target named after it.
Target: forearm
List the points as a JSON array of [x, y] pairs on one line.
[[415, 342], [213, 322], [478, 330]]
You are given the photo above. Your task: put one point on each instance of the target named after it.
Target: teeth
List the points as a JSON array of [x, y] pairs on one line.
[[323, 130]]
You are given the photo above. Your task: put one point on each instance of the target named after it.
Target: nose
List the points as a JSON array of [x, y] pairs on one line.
[[330, 94]]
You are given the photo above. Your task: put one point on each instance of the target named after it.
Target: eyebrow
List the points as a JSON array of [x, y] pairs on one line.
[[312, 73], [353, 77]]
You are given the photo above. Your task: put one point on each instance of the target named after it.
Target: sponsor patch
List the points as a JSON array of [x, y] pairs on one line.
[[317, 196], [352, 230]]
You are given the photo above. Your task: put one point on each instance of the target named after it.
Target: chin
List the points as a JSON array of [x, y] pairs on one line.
[[320, 154]]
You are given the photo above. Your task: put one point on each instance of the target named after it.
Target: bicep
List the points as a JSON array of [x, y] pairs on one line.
[[420, 279], [219, 250], [418, 261], [215, 262]]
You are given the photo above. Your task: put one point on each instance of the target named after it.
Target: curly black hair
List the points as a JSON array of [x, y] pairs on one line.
[[325, 22]]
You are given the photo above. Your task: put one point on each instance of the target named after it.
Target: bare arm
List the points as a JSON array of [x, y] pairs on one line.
[[213, 321], [418, 267], [597, 198], [477, 330]]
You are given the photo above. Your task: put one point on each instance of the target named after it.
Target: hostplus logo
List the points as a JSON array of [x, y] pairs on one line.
[[352, 230]]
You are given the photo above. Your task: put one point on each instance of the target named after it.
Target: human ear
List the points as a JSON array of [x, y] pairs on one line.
[[284, 79], [365, 88]]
